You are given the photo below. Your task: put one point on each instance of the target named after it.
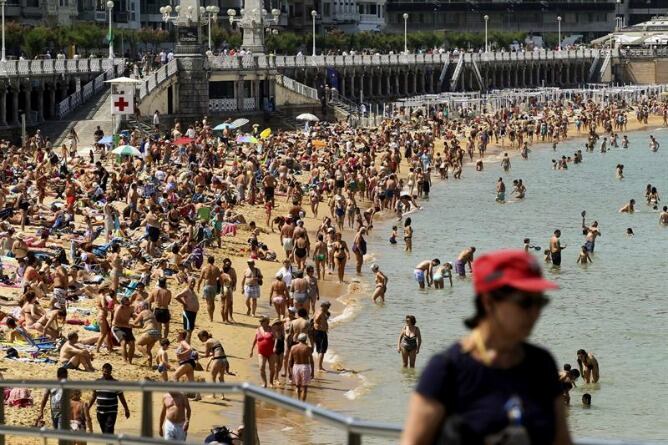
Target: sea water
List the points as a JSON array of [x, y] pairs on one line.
[[616, 307]]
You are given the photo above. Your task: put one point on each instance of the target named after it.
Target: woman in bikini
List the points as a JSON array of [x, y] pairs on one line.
[[214, 349], [410, 341], [105, 305], [31, 311], [186, 357], [320, 256], [341, 255], [278, 329], [150, 335], [408, 235]]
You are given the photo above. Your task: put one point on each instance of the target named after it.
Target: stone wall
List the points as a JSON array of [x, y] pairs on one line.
[[285, 97]]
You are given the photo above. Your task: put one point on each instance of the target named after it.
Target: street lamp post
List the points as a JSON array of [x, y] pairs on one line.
[[559, 28], [211, 13], [314, 14], [2, 6], [405, 33], [486, 44], [110, 8]]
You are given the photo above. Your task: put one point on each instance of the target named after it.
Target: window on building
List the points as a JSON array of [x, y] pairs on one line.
[[326, 10], [360, 9], [221, 90], [35, 3], [372, 9]]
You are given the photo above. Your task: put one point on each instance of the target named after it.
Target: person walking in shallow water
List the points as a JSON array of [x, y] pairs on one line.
[[410, 340], [408, 235]]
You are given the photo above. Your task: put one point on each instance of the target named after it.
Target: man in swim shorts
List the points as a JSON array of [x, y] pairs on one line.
[[300, 363], [592, 232], [465, 257], [556, 248], [423, 272], [500, 191], [174, 417], [210, 274]]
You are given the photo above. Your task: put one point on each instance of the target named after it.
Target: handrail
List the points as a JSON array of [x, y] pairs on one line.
[[155, 78], [297, 87], [354, 427], [67, 105]]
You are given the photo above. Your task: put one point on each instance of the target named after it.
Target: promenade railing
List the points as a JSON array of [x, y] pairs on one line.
[[12, 68], [269, 61], [355, 429]]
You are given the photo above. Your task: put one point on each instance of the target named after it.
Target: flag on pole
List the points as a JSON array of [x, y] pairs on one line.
[[110, 36]]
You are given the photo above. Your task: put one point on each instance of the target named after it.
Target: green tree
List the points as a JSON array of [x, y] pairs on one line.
[[36, 40], [13, 36]]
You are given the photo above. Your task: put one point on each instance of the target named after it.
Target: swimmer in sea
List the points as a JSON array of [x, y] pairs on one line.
[[653, 144], [393, 237], [625, 142], [424, 272], [629, 232], [528, 246], [591, 233], [588, 365], [629, 208], [465, 257], [584, 257], [586, 400], [556, 248], [381, 283], [408, 235], [500, 191], [505, 162], [440, 274], [620, 171], [663, 217], [520, 190]]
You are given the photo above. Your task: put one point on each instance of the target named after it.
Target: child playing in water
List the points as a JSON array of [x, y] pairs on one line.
[[442, 272], [162, 360], [586, 400], [584, 257], [548, 256], [393, 237]]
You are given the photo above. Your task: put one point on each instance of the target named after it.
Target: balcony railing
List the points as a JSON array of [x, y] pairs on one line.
[[355, 429], [262, 61], [12, 68]]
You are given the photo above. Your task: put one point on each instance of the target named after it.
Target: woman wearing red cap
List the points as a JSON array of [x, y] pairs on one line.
[[492, 386]]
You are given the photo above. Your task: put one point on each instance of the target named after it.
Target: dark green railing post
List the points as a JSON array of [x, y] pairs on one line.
[[146, 413], [64, 414], [250, 423], [2, 413]]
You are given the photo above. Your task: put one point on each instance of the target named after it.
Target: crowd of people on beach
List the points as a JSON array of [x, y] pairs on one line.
[[121, 246]]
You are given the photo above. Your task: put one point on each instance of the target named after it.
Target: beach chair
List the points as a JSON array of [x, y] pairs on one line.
[[41, 343]]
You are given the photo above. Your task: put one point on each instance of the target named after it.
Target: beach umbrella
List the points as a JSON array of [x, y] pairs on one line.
[[265, 133], [307, 117], [221, 127], [239, 122], [126, 150], [107, 140], [246, 139], [183, 140]]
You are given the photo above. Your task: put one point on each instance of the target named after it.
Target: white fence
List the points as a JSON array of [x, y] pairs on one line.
[[75, 99], [297, 87], [55, 66], [152, 80], [263, 61]]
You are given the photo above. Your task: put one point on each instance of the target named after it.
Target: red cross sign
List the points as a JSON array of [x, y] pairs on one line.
[[122, 104]]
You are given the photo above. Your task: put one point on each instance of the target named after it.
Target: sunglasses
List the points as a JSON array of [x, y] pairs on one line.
[[528, 302]]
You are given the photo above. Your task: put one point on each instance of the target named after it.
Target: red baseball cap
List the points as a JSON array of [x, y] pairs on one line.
[[512, 268]]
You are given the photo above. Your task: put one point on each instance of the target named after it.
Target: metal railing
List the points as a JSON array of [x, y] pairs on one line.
[[71, 102], [263, 61], [355, 429], [297, 87], [155, 78], [55, 66]]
